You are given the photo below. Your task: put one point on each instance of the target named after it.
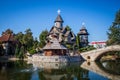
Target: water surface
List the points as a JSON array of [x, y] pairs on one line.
[[24, 70]]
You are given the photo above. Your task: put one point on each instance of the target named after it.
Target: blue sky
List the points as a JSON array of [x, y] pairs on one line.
[[39, 15]]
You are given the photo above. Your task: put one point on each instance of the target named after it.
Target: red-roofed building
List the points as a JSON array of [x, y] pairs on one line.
[[98, 44], [8, 44], [7, 37]]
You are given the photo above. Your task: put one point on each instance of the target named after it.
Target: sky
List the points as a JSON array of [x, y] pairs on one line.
[[39, 15]]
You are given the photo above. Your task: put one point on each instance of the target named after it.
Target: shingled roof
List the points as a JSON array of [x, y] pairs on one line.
[[54, 44], [83, 31], [59, 19], [7, 37]]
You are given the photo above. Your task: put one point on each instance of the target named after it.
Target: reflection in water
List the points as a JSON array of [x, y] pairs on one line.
[[35, 76], [61, 71], [104, 69], [21, 70], [12, 71], [112, 67]]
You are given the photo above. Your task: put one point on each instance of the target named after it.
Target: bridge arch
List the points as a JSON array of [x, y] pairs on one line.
[[96, 54], [103, 53]]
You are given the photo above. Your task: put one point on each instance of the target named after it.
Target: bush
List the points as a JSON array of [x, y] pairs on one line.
[[87, 48], [21, 53], [69, 46], [32, 51]]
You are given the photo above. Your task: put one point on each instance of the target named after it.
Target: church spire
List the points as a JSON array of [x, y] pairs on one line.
[[83, 36], [59, 21]]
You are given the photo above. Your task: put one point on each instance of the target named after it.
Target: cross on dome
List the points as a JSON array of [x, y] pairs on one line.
[[58, 11], [83, 23]]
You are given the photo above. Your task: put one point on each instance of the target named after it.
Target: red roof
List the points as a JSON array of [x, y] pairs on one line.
[[102, 42], [7, 37]]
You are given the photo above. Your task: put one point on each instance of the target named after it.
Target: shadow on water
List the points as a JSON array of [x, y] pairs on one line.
[[11, 70], [108, 69], [23, 70], [111, 67]]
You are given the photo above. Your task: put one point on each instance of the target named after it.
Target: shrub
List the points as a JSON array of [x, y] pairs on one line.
[[32, 51], [87, 48]]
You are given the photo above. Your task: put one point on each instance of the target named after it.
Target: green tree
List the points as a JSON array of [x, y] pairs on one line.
[[42, 37], [35, 43], [22, 51], [19, 46], [8, 31], [78, 41], [19, 37], [28, 39], [17, 50], [25, 41], [114, 31]]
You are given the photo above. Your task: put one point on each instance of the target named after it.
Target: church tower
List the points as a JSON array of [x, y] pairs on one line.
[[59, 21], [83, 36], [61, 33]]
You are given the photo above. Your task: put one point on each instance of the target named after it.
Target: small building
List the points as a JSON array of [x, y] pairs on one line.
[[98, 44], [8, 44], [83, 36], [54, 48]]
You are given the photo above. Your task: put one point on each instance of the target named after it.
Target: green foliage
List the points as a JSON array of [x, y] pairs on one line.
[[28, 39], [87, 48], [32, 51], [78, 41], [68, 28], [69, 46], [117, 18], [19, 37], [43, 37], [21, 53], [110, 54], [17, 50], [35, 43], [27, 42], [8, 31], [114, 31], [24, 42]]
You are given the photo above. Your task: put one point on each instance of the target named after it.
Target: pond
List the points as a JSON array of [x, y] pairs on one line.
[[26, 70]]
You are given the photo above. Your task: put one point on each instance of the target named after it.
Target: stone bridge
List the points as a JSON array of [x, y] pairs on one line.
[[96, 54], [92, 66]]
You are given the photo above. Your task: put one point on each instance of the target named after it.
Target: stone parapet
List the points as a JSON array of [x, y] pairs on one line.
[[55, 58]]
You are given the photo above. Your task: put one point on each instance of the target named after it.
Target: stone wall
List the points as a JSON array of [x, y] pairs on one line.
[[55, 58]]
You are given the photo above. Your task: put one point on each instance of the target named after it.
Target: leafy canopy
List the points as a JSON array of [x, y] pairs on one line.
[[114, 31], [43, 37]]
